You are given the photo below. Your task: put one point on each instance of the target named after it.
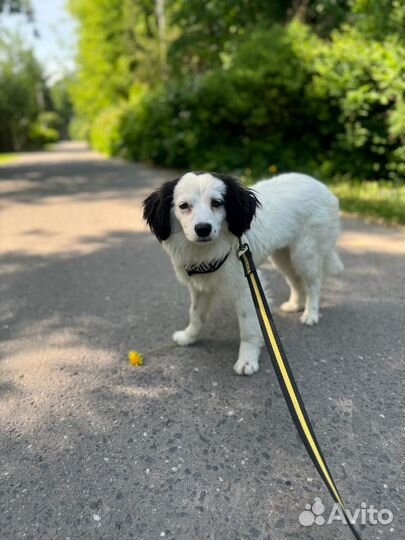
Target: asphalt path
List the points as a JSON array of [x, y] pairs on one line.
[[181, 448]]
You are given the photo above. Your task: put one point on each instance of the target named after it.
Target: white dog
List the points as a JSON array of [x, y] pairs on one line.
[[292, 218]]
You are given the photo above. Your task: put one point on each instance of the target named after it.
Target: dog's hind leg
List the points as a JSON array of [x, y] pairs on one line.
[[332, 263], [308, 264], [296, 302], [200, 305]]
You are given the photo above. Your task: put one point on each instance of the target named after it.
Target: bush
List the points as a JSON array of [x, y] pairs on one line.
[[79, 129], [251, 115], [21, 81], [159, 128], [105, 131], [40, 135], [285, 100], [50, 119], [364, 81]]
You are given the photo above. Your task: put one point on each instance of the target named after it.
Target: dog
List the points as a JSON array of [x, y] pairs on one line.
[[291, 218]]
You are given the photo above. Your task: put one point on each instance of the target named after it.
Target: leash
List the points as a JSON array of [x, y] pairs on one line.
[[286, 379]]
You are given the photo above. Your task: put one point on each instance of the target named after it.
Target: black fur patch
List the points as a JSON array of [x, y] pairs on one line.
[[156, 210], [240, 203]]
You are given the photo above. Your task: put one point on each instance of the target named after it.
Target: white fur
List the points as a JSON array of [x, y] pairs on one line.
[[198, 191], [297, 226]]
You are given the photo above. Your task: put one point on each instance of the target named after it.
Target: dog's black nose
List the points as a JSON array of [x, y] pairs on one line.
[[203, 229]]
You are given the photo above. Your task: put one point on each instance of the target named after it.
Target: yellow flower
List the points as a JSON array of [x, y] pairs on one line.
[[135, 358], [273, 169]]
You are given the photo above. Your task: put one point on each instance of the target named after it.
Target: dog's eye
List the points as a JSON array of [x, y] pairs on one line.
[[183, 206], [216, 203]]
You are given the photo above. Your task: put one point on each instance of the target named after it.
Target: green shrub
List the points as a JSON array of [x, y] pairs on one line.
[[160, 127], [50, 119], [364, 81], [79, 129], [40, 135], [284, 100], [251, 115], [105, 131]]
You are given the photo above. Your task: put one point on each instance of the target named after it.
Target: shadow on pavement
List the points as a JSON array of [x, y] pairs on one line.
[[83, 179]]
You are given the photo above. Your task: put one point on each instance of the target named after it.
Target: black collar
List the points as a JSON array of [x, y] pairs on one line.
[[206, 267]]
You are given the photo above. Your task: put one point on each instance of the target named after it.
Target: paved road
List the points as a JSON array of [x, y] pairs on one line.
[[182, 448]]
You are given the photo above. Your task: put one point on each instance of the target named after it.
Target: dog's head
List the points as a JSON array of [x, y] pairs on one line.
[[203, 203]]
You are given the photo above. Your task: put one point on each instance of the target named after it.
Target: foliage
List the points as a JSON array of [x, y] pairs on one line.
[[26, 118], [379, 18], [249, 86], [21, 86], [246, 116], [62, 104], [50, 119], [39, 135], [345, 95], [211, 30], [105, 133], [375, 199], [117, 43], [19, 7], [78, 128], [364, 81], [45, 130], [16, 6]]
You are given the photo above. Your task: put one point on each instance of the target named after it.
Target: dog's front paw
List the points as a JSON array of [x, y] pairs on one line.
[[290, 307], [310, 319], [246, 367], [183, 338]]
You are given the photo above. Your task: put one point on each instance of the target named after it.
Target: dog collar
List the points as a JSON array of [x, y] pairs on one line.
[[206, 267]]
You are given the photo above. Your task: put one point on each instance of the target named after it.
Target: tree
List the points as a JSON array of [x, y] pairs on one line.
[[21, 92], [118, 45], [208, 32], [379, 18], [17, 6], [62, 104]]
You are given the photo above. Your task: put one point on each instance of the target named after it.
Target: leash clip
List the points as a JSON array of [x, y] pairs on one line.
[[243, 248]]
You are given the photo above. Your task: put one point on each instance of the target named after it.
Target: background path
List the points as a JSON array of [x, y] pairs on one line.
[[181, 448]]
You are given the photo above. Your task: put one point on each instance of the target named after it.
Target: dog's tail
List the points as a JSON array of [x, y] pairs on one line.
[[333, 264]]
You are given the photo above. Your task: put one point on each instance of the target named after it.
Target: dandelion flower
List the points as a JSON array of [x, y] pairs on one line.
[[135, 358]]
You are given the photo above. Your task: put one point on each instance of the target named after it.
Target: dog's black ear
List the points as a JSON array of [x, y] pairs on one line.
[[240, 204], [156, 210]]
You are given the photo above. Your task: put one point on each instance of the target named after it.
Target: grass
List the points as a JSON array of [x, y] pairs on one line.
[[383, 200], [6, 158]]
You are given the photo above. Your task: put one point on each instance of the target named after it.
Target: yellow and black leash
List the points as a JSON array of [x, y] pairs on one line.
[[286, 379]]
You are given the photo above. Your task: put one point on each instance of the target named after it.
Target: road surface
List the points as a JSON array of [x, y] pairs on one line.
[[181, 448]]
